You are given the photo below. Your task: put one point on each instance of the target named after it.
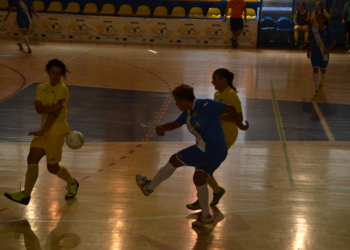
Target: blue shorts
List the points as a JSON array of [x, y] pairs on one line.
[[318, 62], [23, 23], [206, 161]]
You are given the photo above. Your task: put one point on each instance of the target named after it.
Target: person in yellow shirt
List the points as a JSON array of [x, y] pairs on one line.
[[51, 101], [319, 10], [226, 93]]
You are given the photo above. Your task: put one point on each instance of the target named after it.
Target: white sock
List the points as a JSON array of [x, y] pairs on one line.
[[203, 198], [26, 41], [316, 81], [323, 77], [163, 173]]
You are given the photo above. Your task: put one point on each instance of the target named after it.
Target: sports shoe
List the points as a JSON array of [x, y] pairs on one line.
[[194, 206], [235, 44], [29, 50], [20, 46], [217, 197], [320, 88], [295, 43], [202, 220], [317, 93], [143, 182], [72, 190], [18, 197]]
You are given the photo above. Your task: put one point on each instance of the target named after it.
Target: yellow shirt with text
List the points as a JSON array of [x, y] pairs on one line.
[[49, 95], [229, 96]]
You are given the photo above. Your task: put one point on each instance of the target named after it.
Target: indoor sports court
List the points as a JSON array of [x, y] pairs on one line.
[[287, 178]]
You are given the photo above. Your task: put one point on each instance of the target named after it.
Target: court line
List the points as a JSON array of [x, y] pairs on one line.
[[323, 121], [282, 135], [23, 86], [24, 82]]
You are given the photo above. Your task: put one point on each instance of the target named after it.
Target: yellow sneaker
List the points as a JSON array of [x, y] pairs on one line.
[[72, 190], [18, 197]]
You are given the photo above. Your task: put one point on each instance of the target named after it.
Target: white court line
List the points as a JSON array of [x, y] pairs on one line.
[[323, 122]]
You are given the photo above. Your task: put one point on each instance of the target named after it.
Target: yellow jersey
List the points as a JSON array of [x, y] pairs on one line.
[[49, 95], [229, 96]]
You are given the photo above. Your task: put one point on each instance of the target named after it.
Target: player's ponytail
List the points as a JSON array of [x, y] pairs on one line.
[[229, 76]]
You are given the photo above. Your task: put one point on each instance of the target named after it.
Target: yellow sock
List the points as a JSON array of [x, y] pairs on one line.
[[31, 177], [64, 174], [306, 36], [213, 184], [296, 36]]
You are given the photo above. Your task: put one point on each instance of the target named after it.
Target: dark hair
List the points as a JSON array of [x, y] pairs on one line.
[[184, 91], [321, 7], [326, 21], [59, 64], [225, 73], [302, 3]]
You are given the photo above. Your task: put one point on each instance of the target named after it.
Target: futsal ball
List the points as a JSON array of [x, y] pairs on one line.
[[75, 140]]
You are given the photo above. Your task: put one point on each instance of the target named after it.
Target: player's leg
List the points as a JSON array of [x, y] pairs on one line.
[[147, 186], [323, 77], [26, 40], [199, 179], [315, 62], [238, 30], [34, 156], [54, 146], [296, 34], [306, 34]]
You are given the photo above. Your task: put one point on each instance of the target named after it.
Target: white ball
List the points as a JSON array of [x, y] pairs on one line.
[[75, 140]]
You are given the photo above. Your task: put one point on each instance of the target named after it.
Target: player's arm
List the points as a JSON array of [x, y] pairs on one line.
[[245, 13], [226, 13], [231, 110], [34, 11], [41, 109], [160, 129], [228, 118], [8, 13], [331, 45]]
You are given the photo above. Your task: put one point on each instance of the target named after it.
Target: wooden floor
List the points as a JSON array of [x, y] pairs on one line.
[[281, 194]]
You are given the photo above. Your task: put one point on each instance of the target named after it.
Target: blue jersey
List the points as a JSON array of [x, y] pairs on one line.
[[204, 123], [327, 37], [22, 8]]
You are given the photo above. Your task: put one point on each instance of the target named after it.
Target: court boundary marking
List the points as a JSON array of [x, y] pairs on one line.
[[284, 144]]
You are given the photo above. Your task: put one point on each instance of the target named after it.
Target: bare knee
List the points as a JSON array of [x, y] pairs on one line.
[[53, 168], [175, 161], [323, 71], [35, 155], [315, 70], [200, 178]]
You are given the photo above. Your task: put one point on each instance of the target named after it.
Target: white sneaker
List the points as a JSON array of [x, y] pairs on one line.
[[143, 182], [202, 220]]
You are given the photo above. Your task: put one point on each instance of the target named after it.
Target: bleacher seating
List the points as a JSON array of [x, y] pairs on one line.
[[4, 4], [196, 12], [125, 10], [178, 12], [284, 25], [72, 7], [107, 9], [90, 8], [160, 11], [267, 24], [143, 10], [55, 7], [39, 6], [214, 13]]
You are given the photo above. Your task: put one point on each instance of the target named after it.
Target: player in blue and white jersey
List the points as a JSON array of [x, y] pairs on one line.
[[24, 10], [321, 41], [202, 119]]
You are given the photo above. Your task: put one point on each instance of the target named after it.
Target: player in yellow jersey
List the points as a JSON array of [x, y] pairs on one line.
[[226, 93], [51, 101]]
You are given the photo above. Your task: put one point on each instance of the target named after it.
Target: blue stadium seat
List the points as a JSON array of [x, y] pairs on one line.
[[284, 25], [267, 24]]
